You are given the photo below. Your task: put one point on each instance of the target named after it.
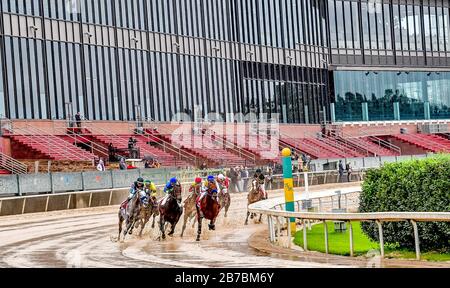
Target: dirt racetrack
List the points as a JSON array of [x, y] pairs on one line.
[[82, 238]]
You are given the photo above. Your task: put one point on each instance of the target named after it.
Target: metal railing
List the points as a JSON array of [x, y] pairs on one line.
[[385, 144], [166, 146], [291, 140], [347, 140], [95, 148], [235, 149], [340, 145], [12, 165], [52, 145], [274, 210]]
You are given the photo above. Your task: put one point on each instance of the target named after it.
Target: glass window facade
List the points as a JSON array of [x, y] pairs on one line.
[[386, 96], [129, 59], [395, 32]]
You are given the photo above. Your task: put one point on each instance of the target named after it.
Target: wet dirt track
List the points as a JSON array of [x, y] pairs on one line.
[[82, 238]]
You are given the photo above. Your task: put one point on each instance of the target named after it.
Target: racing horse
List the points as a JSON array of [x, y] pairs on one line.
[[170, 210], [130, 213], [146, 213], [190, 209], [208, 207], [224, 200], [256, 194]]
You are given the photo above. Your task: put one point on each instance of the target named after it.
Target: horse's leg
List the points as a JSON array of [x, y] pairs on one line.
[[211, 225], [120, 225], [195, 219], [172, 228], [154, 217], [246, 220], [260, 218], [199, 227], [162, 227], [143, 222], [226, 209], [185, 219]]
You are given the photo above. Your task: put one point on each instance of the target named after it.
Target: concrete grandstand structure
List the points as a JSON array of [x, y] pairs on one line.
[[337, 78]]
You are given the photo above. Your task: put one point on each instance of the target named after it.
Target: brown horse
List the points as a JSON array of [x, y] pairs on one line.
[[170, 210], [224, 200], [256, 194], [146, 213], [130, 213], [209, 209], [190, 208]]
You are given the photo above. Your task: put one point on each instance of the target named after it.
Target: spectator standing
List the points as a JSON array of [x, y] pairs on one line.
[[341, 171], [122, 164], [244, 176], [78, 119], [101, 165], [233, 180], [269, 179], [147, 164], [349, 172]]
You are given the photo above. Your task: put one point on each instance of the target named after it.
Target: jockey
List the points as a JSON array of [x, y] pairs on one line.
[[223, 182], [197, 185], [170, 185], [261, 179], [137, 185], [209, 186], [150, 188]]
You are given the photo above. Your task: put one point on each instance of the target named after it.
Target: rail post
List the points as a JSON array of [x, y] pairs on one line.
[[305, 238], [351, 237], [288, 186], [416, 239], [325, 227], [380, 234]]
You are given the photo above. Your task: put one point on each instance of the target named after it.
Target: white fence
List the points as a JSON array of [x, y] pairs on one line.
[[278, 217]]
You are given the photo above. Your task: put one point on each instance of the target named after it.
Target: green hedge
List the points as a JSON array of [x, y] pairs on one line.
[[411, 186]]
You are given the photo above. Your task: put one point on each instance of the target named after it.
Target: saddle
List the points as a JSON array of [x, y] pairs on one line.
[[124, 204]]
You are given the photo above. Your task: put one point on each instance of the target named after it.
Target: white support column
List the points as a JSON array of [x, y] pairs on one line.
[[110, 198], [46, 203], [270, 225], [380, 235], [305, 238], [90, 200], [23, 205], [288, 224], [325, 228], [68, 201], [416, 239], [351, 237]]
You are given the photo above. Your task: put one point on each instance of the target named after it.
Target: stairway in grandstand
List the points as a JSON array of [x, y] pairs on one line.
[[264, 148], [144, 144], [428, 142], [32, 141], [329, 147], [208, 148]]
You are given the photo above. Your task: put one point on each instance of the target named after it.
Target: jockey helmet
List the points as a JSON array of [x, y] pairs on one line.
[[140, 180], [198, 180], [221, 177], [210, 178], [147, 182], [173, 180], [258, 171]]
